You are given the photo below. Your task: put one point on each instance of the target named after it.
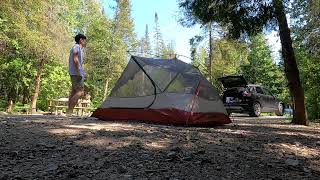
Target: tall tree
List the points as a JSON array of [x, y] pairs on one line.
[[262, 69], [146, 42], [52, 30], [159, 44], [123, 39], [306, 24], [145, 47], [168, 51], [124, 25], [194, 43], [210, 30], [251, 17], [210, 51]]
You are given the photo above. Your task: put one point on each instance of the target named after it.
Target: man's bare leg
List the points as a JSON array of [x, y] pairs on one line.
[[74, 100], [72, 93]]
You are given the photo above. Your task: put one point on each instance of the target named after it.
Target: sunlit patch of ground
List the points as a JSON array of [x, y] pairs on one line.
[[50, 147]]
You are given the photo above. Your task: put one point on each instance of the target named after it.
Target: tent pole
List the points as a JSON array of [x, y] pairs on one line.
[[174, 78], [152, 82], [193, 101]]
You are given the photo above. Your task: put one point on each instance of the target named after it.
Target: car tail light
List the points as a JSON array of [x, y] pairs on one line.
[[246, 94]]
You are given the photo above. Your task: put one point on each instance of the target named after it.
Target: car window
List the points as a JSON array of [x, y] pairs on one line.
[[252, 89], [259, 90]]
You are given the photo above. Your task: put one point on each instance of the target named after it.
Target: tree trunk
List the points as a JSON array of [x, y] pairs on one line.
[[10, 105], [315, 106], [11, 97], [37, 87], [210, 52], [25, 95], [290, 66], [106, 89], [317, 110]]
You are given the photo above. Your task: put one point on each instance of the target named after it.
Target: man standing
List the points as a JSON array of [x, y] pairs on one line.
[[76, 71]]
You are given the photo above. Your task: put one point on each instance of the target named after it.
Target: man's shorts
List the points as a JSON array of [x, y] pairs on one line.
[[77, 82]]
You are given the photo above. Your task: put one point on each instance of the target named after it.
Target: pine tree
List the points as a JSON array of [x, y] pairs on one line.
[[261, 68], [124, 25], [159, 44], [168, 51], [123, 39], [145, 47]]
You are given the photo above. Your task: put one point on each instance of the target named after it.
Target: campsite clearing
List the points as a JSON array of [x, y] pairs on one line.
[[52, 147]]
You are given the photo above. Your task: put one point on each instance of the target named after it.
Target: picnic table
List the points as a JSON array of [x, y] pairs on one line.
[[61, 104], [23, 109]]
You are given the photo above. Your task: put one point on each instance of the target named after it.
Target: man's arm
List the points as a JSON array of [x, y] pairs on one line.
[[76, 61]]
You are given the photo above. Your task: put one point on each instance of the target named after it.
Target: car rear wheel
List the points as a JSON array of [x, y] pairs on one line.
[[280, 109], [256, 109]]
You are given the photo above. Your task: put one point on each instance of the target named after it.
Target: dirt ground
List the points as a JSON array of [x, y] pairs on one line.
[[52, 147]]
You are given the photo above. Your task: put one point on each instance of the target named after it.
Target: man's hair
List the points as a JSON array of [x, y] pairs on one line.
[[78, 37]]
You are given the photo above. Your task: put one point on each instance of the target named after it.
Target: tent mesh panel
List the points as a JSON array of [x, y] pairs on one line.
[[170, 76]]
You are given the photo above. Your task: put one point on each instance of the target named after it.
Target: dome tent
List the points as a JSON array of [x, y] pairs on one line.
[[166, 91]]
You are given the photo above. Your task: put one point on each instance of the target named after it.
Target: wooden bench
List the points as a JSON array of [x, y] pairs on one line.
[[59, 105], [21, 109]]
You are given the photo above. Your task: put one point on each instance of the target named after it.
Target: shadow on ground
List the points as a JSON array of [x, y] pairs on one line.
[[39, 147]]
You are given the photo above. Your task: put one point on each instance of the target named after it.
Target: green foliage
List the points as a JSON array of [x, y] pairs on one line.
[[240, 17], [106, 56], [55, 84], [21, 108], [254, 61], [262, 69], [3, 104], [15, 76], [37, 30], [106, 53], [35, 35], [159, 44], [305, 24], [145, 46], [168, 51], [124, 25], [161, 49], [310, 74], [228, 56]]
